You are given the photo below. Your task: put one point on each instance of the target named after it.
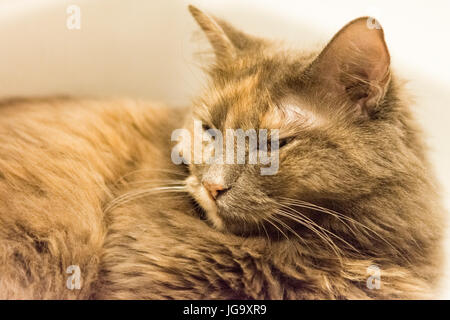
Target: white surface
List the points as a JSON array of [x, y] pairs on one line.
[[143, 48]]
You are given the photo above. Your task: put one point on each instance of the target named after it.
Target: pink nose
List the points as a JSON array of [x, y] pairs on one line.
[[214, 189]]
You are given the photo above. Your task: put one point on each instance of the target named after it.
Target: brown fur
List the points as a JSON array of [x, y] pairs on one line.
[[77, 179]]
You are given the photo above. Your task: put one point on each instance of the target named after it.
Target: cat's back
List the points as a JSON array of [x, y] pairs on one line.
[[59, 158]]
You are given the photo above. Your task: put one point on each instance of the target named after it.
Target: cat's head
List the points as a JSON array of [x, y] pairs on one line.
[[331, 110]]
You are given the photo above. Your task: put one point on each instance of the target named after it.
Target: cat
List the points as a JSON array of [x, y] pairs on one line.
[[353, 211]]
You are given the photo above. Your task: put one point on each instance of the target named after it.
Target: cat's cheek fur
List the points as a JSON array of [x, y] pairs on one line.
[[200, 194]]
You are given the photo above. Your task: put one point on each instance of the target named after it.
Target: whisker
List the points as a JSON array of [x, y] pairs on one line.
[[366, 230], [322, 228], [322, 236], [136, 194], [292, 231], [269, 220], [337, 215], [152, 170], [328, 211], [265, 230], [165, 182], [304, 219], [333, 213]]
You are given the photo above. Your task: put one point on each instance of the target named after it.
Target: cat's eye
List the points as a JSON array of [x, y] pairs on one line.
[[281, 143], [284, 141], [205, 127]]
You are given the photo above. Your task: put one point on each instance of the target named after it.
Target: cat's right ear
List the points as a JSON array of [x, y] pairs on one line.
[[222, 45], [355, 66]]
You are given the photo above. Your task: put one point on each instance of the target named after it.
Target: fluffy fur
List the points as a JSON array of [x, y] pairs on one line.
[[91, 183]]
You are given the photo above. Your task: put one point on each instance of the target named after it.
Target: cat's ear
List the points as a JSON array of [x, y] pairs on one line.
[[355, 65], [226, 40], [223, 48]]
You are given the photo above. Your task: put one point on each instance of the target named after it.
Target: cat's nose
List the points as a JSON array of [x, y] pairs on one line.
[[214, 189]]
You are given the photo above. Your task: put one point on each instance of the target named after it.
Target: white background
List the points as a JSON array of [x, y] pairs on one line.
[[143, 48]]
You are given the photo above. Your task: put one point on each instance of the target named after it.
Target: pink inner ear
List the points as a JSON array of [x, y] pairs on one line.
[[361, 48], [355, 62]]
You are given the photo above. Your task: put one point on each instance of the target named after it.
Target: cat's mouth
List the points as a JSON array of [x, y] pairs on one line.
[[203, 198], [218, 213]]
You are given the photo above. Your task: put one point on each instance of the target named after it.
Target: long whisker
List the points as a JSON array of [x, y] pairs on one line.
[[165, 182], [181, 174], [292, 231], [140, 191], [368, 231], [336, 214], [322, 236], [317, 226], [295, 213], [269, 220], [265, 230], [342, 218], [133, 195], [129, 198], [306, 220]]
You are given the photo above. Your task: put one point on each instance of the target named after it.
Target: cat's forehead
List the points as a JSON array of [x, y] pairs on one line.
[[236, 104], [248, 104], [291, 113]]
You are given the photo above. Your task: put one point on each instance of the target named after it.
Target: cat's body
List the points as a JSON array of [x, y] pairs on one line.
[[60, 160], [91, 183], [55, 185]]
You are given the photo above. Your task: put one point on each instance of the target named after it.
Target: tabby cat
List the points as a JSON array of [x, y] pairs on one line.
[[352, 212]]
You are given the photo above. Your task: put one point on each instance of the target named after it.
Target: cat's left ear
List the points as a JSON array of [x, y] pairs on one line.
[[227, 41], [355, 65]]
